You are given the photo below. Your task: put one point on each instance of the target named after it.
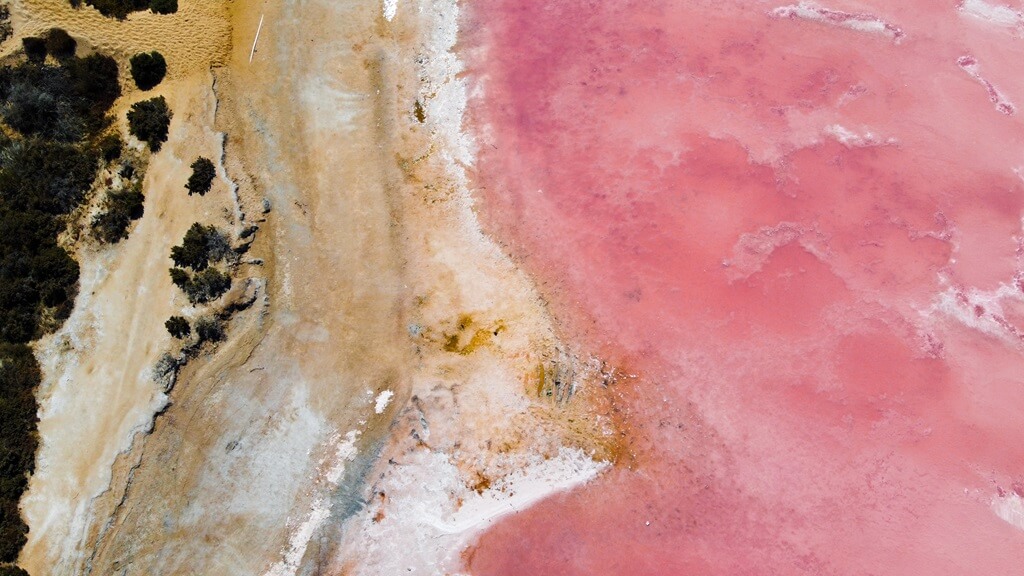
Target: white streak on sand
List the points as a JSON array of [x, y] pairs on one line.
[[344, 451], [981, 310], [857, 21], [1010, 508], [852, 139], [994, 14], [430, 515], [390, 9], [383, 399]]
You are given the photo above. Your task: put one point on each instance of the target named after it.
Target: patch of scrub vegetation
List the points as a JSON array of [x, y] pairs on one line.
[[122, 8], [6, 31], [193, 273], [67, 102], [19, 375], [149, 120], [120, 209], [53, 108], [123, 200]]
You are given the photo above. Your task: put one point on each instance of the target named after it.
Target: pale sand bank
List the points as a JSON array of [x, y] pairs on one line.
[[396, 332]]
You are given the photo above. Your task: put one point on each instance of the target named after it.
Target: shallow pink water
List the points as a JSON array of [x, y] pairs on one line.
[[806, 241]]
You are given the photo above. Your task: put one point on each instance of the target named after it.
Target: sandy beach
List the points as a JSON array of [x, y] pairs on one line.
[[391, 343]]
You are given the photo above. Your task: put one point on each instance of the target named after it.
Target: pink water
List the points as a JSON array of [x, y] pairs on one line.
[[805, 241]]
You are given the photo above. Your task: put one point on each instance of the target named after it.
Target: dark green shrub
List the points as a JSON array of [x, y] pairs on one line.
[[201, 245], [201, 287], [203, 172], [178, 327], [19, 375], [47, 176], [111, 147], [33, 270], [60, 44], [116, 8], [66, 102], [12, 571], [148, 121], [209, 329], [119, 210], [6, 29], [34, 111], [94, 82], [35, 48], [207, 286], [148, 69], [164, 6], [13, 531]]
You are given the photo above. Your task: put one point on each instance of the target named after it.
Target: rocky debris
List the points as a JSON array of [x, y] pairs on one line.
[[242, 296], [165, 371]]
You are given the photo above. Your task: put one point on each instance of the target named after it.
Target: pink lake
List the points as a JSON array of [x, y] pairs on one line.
[[800, 227]]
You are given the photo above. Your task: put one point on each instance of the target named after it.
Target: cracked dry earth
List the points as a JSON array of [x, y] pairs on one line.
[[396, 385]]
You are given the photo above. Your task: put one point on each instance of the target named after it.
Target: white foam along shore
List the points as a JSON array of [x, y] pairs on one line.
[[431, 516]]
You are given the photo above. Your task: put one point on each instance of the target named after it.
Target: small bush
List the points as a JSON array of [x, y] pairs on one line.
[[111, 147], [203, 172], [207, 286], [164, 6], [119, 210], [149, 120], [35, 48], [209, 329], [60, 44], [148, 69], [201, 245], [6, 29], [202, 287], [178, 327], [12, 571]]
